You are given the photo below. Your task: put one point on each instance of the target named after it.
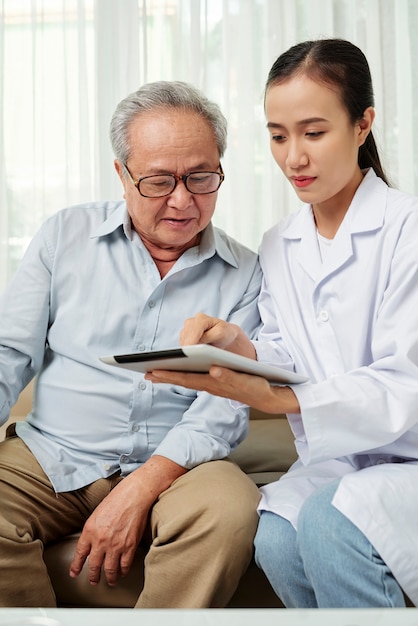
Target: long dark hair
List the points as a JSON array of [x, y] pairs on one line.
[[340, 63]]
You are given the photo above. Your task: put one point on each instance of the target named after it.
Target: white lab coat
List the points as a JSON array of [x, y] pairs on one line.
[[351, 324]]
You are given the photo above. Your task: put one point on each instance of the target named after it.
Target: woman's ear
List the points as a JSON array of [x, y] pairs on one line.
[[365, 124]]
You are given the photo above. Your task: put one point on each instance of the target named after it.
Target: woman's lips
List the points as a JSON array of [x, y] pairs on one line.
[[303, 181]]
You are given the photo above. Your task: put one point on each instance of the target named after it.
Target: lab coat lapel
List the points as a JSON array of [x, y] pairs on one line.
[[366, 213], [309, 256], [302, 232]]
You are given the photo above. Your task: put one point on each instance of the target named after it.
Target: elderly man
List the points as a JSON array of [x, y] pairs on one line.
[[104, 450]]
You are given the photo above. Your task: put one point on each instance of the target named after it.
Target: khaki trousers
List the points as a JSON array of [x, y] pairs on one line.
[[200, 532]]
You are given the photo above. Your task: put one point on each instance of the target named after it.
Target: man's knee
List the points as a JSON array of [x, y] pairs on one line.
[[215, 497], [227, 492]]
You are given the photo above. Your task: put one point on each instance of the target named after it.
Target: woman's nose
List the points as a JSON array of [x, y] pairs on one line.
[[296, 155]]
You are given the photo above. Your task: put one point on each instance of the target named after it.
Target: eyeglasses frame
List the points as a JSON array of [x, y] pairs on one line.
[[183, 178]]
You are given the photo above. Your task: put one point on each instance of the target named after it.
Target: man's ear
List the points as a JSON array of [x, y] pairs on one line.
[[121, 173], [119, 168], [365, 124]]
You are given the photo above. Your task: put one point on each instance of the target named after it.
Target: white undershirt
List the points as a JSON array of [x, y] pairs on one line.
[[324, 245]]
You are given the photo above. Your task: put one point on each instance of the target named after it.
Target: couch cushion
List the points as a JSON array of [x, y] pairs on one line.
[[77, 592], [254, 589], [269, 447]]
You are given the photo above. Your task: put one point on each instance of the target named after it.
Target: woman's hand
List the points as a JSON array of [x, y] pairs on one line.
[[254, 391], [210, 330]]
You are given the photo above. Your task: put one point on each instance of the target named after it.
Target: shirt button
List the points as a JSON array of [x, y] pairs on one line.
[[106, 466], [380, 462], [323, 316], [135, 428], [151, 304], [142, 386], [141, 348], [124, 458]]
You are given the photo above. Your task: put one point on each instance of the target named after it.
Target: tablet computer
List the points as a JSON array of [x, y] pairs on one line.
[[199, 358]]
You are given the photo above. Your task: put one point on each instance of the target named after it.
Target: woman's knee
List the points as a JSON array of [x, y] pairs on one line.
[[317, 516], [325, 535], [275, 540], [262, 540]]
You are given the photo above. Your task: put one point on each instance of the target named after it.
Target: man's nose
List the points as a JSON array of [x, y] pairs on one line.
[[180, 197]]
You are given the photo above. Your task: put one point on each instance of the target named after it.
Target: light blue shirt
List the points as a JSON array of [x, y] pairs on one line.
[[88, 287]]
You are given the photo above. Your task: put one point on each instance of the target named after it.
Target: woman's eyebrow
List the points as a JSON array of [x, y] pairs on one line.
[[305, 122]]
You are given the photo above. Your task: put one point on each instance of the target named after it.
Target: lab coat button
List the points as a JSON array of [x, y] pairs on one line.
[[323, 316]]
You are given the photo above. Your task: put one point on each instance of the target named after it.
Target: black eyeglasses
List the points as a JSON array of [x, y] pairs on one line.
[[161, 185]]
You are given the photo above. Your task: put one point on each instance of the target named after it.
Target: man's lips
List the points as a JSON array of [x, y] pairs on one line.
[[179, 221], [303, 181]]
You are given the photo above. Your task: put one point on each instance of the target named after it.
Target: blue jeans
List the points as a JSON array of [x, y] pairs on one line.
[[326, 563]]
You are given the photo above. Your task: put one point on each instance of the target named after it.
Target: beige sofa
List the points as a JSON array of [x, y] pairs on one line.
[[265, 454]]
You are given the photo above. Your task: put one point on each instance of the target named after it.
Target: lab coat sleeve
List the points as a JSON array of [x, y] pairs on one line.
[[372, 407]]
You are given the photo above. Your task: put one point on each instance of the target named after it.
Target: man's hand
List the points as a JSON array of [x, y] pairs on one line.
[[113, 531], [247, 388]]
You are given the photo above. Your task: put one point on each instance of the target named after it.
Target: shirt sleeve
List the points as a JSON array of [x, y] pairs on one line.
[[210, 429], [212, 426], [24, 314]]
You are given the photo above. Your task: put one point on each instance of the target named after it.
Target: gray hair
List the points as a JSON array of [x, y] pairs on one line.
[[164, 95]]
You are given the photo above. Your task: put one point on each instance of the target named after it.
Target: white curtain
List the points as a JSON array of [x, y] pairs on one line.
[[65, 64]]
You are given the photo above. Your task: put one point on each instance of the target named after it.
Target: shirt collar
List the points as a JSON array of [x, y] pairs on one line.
[[213, 240], [365, 213], [119, 217]]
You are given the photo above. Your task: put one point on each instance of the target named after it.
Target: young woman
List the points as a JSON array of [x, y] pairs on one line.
[[338, 304]]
